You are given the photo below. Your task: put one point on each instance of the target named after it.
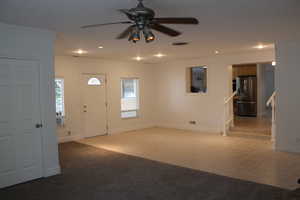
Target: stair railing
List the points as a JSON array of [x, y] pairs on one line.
[[271, 102], [228, 113]]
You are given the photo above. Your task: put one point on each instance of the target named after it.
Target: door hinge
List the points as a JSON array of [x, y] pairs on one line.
[[39, 125], [106, 104]]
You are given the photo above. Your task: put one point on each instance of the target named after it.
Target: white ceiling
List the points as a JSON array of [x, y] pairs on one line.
[[225, 25]]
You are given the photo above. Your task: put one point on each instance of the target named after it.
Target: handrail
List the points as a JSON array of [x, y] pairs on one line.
[[271, 98], [231, 97], [271, 102], [228, 110]]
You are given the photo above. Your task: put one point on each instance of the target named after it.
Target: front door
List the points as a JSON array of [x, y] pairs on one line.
[[20, 136], [94, 105]]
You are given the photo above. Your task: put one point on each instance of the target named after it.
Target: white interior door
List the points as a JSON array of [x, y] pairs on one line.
[[20, 139], [94, 105]]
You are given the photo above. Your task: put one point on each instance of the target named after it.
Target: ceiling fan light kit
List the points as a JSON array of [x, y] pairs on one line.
[[149, 36], [142, 20], [135, 35]]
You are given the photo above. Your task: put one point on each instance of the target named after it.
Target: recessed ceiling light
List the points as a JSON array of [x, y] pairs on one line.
[[217, 52], [159, 55], [80, 51], [138, 58], [100, 47], [274, 63], [260, 46]]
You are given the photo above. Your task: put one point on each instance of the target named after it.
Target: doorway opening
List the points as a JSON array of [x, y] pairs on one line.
[[254, 84]]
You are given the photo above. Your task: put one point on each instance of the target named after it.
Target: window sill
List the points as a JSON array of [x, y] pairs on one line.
[[195, 94], [127, 118]]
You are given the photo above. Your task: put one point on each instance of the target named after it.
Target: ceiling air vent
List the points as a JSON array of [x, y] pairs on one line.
[[180, 43]]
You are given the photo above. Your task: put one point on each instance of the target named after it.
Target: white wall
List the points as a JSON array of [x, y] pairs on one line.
[[266, 87], [34, 44], [175, 108], [164, 101], [71, 68], [288, 96]]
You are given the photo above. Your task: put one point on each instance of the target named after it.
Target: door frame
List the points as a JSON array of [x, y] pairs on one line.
[[46, 73], [41, 130], [81, 100], [230, 75]]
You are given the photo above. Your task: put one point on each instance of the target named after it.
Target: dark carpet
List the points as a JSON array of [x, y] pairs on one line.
[[90, 173]]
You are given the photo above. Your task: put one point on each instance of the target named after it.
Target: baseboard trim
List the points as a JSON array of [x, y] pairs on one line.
[[111, 132], [69, 138], [52, 171], [135, 128], [291, 148]]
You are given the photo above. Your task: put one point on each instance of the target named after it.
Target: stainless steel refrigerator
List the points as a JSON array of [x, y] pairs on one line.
[[246, 96]]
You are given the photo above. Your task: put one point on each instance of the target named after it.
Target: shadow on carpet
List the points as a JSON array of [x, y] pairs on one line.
[[90, 173]]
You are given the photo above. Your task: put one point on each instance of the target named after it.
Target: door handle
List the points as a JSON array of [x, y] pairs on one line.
[[38, 125]]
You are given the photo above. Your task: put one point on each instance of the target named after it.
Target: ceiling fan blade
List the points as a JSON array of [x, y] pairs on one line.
[[176, 20], [130, 14], [98, 25], [165, 30], [125, 33]]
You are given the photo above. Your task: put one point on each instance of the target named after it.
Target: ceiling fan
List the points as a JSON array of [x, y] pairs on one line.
[[142, 19]]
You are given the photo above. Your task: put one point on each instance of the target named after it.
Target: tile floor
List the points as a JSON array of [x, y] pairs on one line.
[[243, 158]]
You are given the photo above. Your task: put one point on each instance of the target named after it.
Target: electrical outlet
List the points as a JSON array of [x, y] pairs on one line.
[[192, 122]]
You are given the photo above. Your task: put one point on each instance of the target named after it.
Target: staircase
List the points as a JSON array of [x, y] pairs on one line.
[[251, 128], [263, 128]]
